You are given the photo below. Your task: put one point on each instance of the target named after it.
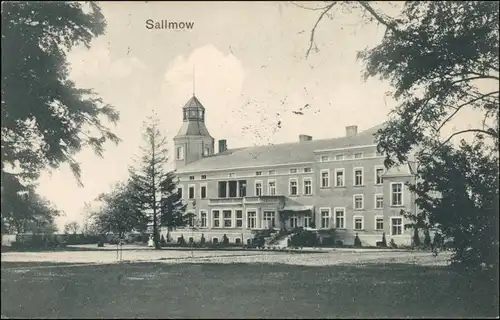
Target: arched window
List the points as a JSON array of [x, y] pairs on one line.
[[184, 115]]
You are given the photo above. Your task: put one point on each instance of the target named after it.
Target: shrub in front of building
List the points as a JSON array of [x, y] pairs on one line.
[[357, 241]]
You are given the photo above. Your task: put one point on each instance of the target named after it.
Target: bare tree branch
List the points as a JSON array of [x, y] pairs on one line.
[[463, 105], [309, 8], [313, 31]]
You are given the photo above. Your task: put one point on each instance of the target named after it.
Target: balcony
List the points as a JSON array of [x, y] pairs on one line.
[[225, 201], [247, 200]]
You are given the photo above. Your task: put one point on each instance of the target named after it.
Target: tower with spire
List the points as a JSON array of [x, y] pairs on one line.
[[193, 141]]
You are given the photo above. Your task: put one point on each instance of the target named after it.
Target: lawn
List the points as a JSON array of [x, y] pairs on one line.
[[156, 290]]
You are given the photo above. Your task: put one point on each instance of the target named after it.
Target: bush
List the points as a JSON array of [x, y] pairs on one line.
[[304, 239], [225, 240], [416, 238], [427, 239], [393, 244], [181, 240], [438, 243], [357, 242]]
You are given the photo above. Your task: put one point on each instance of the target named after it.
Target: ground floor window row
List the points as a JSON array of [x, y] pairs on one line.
[[234, 218]]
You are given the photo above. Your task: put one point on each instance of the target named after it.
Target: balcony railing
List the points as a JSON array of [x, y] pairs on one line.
[[225, 201], [247, 200]]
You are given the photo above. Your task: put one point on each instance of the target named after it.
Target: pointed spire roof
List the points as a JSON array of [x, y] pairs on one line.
[[194, 103]]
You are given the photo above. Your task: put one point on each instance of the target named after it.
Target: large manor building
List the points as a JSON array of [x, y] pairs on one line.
[[335, 183]]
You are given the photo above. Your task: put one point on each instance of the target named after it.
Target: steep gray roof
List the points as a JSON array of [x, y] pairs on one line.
[[283, 153], [193, 128]]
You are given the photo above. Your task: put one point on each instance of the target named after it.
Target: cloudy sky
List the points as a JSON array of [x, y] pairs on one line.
[[251, 72]]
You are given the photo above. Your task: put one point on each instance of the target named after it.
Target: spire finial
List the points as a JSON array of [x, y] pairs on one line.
[[194, 79]]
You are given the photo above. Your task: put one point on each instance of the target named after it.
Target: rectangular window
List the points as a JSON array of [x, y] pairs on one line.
[[307, 221], [203, 219], [258, 173], [180, 153], [203, 192], [293, 170], [307, 170], [358, 155], [294, 189], [252, 219], [203, 177], [325, 218], [239, 218], [379, 201], [269, 219], [216, 218], [396, 226], [271, 187], [378, 175], [222, 190], [339, 157], [258, 188], [233, 189], [307, 187], [397, 194], [191, 192], [340, 218], [358, 176], [242, 192], [379, 223], [179, 192], [325, 158], [272, 172], [293, 222], [358, 202], [191, 177], [358, 223], [228, 219], [191, 216], [325, 178], [339, 178]]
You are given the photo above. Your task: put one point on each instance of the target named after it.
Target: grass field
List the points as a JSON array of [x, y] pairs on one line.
[[157, 290]]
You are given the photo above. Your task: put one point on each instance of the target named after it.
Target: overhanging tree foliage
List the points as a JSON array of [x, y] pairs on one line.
[[442, 58], [46, 119]]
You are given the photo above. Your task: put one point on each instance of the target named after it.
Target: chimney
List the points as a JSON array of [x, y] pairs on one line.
[[304, 137], [351, 131], [222, 145]]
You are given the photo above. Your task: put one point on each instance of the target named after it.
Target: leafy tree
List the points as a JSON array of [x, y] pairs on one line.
[[153, 186], [173, 209], [45, 118], [71, 227], [119, 214], [436, 77], [23, 210]]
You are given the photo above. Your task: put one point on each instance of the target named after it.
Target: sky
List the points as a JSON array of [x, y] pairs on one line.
[[247, 62]]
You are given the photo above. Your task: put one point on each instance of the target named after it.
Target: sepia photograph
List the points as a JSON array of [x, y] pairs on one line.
[[250, 159]]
